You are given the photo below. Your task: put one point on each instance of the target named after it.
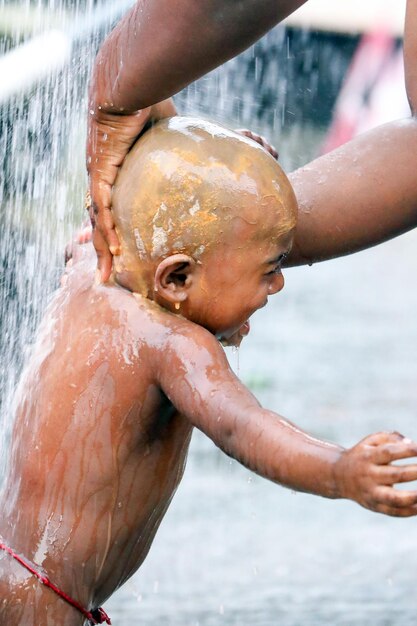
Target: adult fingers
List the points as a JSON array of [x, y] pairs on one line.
[[268, 147], [105, 239], [105, 224], [259, 139], [104, 256]]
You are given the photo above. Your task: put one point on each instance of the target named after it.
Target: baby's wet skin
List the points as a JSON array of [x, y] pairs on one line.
[[107, 449], [92, 476], [122, 372]]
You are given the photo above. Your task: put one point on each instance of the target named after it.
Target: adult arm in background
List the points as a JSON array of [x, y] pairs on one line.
[[364, 192], [357, 196], [156, 50]]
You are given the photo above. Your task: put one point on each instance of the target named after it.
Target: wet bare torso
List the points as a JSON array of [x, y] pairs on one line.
[[98, 450]]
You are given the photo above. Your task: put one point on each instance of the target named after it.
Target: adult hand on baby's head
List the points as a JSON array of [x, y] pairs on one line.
[[110, 136], [259, 139], [365, 474]]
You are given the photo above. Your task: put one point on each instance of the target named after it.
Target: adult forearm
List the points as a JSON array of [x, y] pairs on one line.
[[360, 195], [161, 46], [410, 54], [366, 191]]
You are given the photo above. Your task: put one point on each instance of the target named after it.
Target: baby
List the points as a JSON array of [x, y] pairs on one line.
[[122, 372]]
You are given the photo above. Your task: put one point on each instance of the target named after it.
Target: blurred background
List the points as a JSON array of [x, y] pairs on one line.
[[335, 352]]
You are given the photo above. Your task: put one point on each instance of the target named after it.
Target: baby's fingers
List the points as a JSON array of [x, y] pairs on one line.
[[394, 498], [377, 439], [392, 474], [386, 453], [393, 511]]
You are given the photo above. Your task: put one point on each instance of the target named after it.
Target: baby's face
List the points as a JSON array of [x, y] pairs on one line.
[[235, 281]]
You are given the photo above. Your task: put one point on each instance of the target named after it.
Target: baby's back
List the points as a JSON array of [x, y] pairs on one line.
[[97, 448]]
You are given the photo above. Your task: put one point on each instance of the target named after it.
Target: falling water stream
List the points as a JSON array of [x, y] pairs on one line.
[[41, 141], [336, 352]]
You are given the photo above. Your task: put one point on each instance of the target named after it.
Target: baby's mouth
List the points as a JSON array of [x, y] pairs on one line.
[[244, 329], [236, 339]]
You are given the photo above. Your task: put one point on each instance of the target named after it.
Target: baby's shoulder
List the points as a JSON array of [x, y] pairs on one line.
[[131, 324], [143, 318], [162, 331]]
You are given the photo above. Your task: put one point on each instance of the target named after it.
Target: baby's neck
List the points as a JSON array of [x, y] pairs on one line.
[[135, 282]]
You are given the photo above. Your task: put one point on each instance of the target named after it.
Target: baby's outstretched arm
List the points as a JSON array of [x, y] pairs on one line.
[[197, 379]]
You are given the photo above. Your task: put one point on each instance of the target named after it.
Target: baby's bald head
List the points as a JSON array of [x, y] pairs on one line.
[[190, 186]]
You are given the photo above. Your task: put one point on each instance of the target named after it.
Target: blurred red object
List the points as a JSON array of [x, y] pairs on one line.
[[373, 92]]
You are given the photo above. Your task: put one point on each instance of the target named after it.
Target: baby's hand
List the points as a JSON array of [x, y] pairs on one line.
[[259, 139], [365, 474], [84, 235]]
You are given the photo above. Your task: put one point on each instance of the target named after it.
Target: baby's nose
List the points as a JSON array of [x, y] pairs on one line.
[[277, 284]]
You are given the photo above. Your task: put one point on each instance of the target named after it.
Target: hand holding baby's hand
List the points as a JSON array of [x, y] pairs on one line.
[[365, 474]]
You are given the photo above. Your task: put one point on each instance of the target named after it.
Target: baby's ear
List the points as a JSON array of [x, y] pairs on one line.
[[173, 277]]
